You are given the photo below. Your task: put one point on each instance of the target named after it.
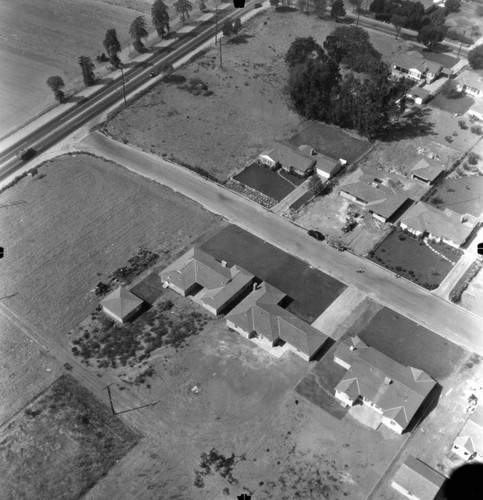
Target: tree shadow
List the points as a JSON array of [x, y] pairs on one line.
[[345, 20], [410, 126], [104, 81], [76, 99]]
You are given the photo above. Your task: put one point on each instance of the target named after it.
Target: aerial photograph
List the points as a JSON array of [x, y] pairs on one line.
[[241, 250]]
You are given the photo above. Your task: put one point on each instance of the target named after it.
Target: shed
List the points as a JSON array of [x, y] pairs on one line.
[[121, 305]]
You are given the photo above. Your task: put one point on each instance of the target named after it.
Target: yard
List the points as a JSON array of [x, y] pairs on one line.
[[277, 184], [61, 445], [71, 227], [311, 290], [472, 298], [457, 105], [411, 258]]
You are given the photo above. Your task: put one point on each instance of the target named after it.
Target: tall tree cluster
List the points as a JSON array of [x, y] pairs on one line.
[[363, 101], [160, 18]]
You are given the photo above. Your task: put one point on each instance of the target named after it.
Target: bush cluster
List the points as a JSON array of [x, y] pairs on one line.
[[462, 285]]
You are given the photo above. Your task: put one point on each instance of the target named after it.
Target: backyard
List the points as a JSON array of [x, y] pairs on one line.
[[456, 105], [311, 290], [277, 184], [410, 257], [61, 444]]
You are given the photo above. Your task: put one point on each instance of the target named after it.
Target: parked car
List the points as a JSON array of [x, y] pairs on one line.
[[316, 234], [153, 74], [26, 154]]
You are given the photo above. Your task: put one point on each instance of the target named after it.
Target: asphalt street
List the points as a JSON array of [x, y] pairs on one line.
[[427, 309]]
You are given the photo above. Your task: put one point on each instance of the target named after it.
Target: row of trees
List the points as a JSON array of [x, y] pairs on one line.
[[318, 7], [366, 101], [138, 31]]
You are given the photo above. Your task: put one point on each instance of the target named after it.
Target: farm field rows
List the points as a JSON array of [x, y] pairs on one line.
[[77, 222]]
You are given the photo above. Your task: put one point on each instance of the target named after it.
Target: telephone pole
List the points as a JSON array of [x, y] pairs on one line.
[[123, 87]]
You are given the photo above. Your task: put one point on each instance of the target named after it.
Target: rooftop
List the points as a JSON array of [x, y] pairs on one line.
[[471, 79], [287, 155], [427, 169], [121, 302], [471, 435]]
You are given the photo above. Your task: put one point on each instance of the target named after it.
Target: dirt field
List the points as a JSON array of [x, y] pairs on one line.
[[80, 221], [61, 444], [472, 297], [222, 132]]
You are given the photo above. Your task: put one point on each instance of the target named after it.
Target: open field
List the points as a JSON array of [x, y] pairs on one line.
[[311, 290], [81, 219], [472, 298], [410, 257], [277, 185], [61, 445]]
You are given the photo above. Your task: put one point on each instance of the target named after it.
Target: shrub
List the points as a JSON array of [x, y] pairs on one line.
[[462, 125], [476, 129], [473, 158]]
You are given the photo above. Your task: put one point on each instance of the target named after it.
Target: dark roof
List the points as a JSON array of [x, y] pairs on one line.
[[427, 169], [419, 479], [288, 156], [121, 302], [389, 206]]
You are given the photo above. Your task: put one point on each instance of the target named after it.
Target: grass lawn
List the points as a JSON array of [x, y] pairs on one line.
[[462, 195], [277, 185], [331, 141], [61, 445], [410, 344], [457, 105], [311, 290], [81, 221], [410, 257]]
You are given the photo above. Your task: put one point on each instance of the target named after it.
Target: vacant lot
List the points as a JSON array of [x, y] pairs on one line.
[[410, 257], [331, 141], [80, 221], [277, 185], [61, 445], [461, 195], [311, 290], [472, 297], [411, 344]]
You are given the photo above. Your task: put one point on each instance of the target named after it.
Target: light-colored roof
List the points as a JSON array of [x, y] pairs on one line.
[[419, 479], [428, 219], [121, 302], [478, 108], [418, 91], [398, 400], [326, 164], [410, 60], [289, 156], [260, 312], [470, 79], [471, 435], [427, 169]]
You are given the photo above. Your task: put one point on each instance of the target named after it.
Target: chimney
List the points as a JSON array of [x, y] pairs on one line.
[[387, 381], [224, 263], [352, 347]]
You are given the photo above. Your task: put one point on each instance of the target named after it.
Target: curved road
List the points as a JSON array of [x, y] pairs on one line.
[[446, 319]]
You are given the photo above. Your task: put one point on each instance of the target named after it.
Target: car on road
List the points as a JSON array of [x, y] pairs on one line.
[[153, 74], [316, 234], [26, 154]]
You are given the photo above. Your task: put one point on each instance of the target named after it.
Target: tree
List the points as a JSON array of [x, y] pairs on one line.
[[437, 17], [398, 22], [227, 28], [475, 57], [431, 35], [274, 3], [337, 9], [87, 67], [137, 31], [303, 6], [56, 84], [237, 26], [356, 5], [452, 5], [316, 185], [113, 47], [183, 7], [202, 5], [319, 7], [160, 18], [301, 49]]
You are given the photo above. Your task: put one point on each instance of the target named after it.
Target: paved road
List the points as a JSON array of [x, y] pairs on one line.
[[454, 323]]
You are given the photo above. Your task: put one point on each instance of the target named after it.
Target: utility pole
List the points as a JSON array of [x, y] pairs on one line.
[[221, 61], [461, 44], [216, 22], [110, 399], [123, 87]]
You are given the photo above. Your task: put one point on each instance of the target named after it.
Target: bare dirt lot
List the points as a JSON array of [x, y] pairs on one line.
[[61, 444], [81, 219], [472, 297]]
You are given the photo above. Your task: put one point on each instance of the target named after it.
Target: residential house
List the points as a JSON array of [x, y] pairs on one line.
[[380, 200], [413, 65], [427, 170], [470, 83], [325, 167], [121, 305], [212, 283], [476, 112], [417, 481], [392, 390], [418, 94], [289, 158], [261, 316], [469, 443], [445, 226], [452, 65]]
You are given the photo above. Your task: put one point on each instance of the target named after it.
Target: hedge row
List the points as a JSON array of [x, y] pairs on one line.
[[462, 285]]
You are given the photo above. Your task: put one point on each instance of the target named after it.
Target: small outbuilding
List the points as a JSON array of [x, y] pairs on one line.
[[121, 305]]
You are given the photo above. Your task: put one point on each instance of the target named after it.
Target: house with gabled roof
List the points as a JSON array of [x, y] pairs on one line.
[[470, 82], [325, 167], [427, 170], [476, 112], [394, 391], [289, 158], [418, 481], [214, 285], [121, 305], [469, 443], [413, 65], [261, 316], [445, 226]]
